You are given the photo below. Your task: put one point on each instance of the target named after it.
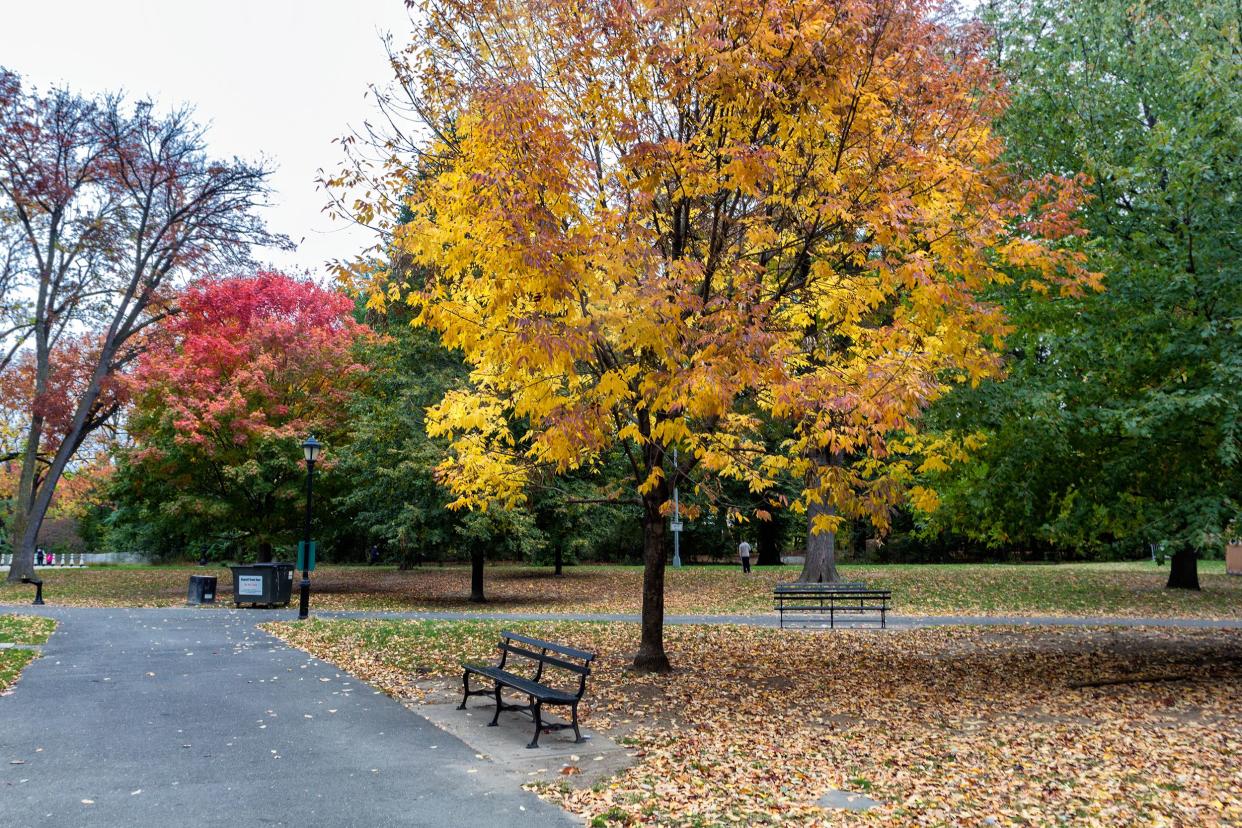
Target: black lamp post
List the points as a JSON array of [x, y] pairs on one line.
[[311, 449]]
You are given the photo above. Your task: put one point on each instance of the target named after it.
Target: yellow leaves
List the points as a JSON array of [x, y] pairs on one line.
[[613, 388], [924, 499], [806, 242], [823, 523], [653, 480]]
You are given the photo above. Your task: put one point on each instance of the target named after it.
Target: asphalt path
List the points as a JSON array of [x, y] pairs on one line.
[[196, 717], [771, 620]]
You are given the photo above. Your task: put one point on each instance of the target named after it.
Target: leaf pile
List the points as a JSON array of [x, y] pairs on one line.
[[961, 726]]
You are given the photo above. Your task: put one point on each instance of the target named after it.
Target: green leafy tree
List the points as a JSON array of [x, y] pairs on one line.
[[386, 469], [1120, 422]]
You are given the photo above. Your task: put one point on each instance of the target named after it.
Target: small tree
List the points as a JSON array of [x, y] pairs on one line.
[[226, 393]]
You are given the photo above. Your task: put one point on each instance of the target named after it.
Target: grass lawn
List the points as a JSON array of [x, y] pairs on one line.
[[20, 629], [1124, 589], [964, 726]]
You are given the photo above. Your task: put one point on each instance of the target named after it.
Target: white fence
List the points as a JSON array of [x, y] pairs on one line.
[[51, 559]]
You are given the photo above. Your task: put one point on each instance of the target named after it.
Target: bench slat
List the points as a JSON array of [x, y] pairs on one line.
[[523, 684], [546, 659], [796, 586], [548, 645]]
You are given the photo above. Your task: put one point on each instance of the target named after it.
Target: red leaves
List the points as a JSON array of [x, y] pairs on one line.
[[252, 357]]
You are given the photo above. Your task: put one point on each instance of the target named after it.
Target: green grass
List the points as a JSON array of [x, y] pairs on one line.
[[20, 629], [1131, 589], [11, 664], [25, 629]]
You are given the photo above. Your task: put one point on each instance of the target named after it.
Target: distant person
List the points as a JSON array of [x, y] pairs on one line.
[[743, 551], [38, 557], [373, 555]]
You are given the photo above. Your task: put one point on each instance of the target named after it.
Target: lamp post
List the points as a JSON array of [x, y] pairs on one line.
[[676, 514], [311, 450]]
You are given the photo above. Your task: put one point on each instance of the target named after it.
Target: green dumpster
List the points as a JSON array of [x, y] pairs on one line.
[[262, 584]]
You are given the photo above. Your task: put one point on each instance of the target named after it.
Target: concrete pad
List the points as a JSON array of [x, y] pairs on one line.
[[847, 801], [596, 758]]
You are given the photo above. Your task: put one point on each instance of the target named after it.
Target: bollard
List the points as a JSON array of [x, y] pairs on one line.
[[38, 582]]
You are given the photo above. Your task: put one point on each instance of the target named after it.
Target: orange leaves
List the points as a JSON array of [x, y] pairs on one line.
[[668, 224], [964, 726]]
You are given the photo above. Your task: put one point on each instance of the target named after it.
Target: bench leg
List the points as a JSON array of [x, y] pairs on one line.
[[496, 719], [577, 732], [465, 682], [534, 743]]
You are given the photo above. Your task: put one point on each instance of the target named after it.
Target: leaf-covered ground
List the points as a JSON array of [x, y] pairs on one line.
[[962, 726], [1135, 590], [20, 629]]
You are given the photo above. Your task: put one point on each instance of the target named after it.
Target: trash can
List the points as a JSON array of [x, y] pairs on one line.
[[268, 584], [202, 590]]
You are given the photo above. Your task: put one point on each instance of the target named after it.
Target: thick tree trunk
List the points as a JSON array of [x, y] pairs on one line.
[[1184, 569], [820, 566], [651, 657], [265, 551], [476, 577]]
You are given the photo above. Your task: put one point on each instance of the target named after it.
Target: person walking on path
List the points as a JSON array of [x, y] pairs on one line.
[[743, 551]]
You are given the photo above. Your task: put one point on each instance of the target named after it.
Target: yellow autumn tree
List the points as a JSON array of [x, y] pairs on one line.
[[654, 225]]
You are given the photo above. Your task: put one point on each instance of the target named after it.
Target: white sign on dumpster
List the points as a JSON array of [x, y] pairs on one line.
[[249, 584]]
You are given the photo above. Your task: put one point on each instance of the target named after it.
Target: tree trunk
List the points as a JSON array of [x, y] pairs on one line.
[[1184, 569], [651, 657], [559, 561], [31, 504], [769, 543], [265, 551], [820, 566], [476, 577]]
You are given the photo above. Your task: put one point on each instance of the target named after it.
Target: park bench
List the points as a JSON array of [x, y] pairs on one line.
[[539, 655], [809, 602]]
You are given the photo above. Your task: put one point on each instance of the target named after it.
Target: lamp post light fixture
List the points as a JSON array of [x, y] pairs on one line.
[[311, 450]]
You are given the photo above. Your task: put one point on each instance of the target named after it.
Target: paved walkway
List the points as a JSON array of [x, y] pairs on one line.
[[162, 716], [771, 620]]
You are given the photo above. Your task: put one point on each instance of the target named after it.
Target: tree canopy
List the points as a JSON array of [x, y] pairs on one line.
[[660, 225], [246, 370], [1120, 423]]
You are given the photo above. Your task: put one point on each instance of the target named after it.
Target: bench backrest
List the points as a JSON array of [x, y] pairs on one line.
[[835, 586], [546, 654]]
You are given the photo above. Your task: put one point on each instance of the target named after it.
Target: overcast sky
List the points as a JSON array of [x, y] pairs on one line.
[[271, 78]]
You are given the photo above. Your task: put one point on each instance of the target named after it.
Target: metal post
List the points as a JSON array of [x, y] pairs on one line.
[[304, 600], [38, 583], [676, 516]]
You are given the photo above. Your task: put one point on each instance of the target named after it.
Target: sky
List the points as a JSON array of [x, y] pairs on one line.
[[273, 79]]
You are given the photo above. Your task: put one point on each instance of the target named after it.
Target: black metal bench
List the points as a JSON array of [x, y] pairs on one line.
[[538, 652], [808, 602]]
